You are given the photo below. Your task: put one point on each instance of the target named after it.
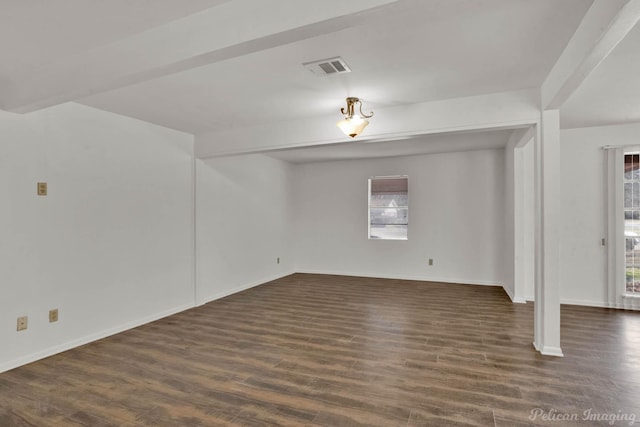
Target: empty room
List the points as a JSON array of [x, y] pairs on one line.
[[330, 213]]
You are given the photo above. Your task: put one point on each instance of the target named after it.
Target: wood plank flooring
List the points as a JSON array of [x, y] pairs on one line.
[[340, 351]]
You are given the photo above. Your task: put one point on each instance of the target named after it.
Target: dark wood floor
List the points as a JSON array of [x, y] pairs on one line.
[[340, 351]]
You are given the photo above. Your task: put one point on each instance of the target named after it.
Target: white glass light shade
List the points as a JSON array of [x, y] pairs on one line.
[[352, 126]]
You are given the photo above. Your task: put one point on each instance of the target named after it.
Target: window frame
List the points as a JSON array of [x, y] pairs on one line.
[[369, 206], [630, 151]]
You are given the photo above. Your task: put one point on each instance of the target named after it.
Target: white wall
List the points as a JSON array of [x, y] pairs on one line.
[[509, 244], [456, 217], [110, 246], [519, 261], [528, 220], [244, 222], [582, 257]]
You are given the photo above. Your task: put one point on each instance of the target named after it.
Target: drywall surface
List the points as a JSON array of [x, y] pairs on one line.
[[110, 246], [583, 259], [244, 223], [456, 217]]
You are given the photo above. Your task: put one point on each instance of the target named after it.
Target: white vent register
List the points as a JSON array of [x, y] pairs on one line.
[[327, 67]]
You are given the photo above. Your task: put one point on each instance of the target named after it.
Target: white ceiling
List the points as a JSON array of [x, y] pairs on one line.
[[204, 66], [611, 93], [408, 52], [35, 32]]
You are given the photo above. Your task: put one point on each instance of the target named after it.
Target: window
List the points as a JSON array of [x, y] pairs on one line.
[[622, 195], [388, 207], [632, 222]]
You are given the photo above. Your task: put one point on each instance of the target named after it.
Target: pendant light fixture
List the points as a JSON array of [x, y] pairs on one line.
[[353, 124]]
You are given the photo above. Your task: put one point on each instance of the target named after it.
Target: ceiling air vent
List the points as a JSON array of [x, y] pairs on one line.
[[327, 67]]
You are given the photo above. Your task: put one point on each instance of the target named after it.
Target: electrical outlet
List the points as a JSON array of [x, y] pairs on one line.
[[430, 261], [22, 323], [42, 189], [53, 315]]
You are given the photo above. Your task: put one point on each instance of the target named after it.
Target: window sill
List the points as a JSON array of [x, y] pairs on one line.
[[632, 296], [391, 239]]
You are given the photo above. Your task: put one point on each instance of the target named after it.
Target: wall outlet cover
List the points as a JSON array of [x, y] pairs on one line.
[[22, 323], [42, 189]]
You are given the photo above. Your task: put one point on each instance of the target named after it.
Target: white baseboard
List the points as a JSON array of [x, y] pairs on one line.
[[240, 288], [588, 303], [11, 364], [510, 295], [551, 351], [548, 350], [402, 277]]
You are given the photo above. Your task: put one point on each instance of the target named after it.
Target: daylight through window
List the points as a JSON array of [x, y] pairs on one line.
[[632, 221], [389, 207]]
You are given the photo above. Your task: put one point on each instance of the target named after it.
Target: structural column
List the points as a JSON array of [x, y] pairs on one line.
[[547, 274]]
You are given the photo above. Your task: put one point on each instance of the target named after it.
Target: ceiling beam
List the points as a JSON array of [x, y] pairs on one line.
[[226, 31], [493, 111], [606, 23]]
